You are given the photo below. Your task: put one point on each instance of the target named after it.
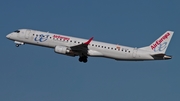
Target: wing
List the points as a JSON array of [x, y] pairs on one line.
[[81, 49]]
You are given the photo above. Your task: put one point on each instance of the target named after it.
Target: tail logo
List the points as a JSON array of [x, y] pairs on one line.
[[161, 47], [158, 45]]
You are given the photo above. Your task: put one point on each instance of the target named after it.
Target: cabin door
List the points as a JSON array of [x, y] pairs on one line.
[[135, 52], [27, 34]]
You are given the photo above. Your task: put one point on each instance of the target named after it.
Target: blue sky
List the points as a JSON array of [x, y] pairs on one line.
[[32, 73]]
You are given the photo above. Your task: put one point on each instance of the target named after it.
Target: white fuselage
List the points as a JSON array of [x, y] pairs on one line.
[[95, 48]]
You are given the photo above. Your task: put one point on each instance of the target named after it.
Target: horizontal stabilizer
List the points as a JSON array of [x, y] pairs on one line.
[[161, 56]]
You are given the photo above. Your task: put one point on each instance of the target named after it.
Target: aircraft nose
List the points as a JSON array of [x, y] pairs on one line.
[[8, 36]]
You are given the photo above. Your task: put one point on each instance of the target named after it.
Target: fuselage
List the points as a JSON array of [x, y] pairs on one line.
[[95, 48]]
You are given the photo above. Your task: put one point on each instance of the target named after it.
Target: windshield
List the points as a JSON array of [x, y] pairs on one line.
[[17, 31]]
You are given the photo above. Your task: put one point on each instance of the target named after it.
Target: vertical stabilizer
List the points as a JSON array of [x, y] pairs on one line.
[[161, 44]]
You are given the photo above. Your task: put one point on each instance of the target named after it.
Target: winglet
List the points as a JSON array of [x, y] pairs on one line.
[[88, 42]]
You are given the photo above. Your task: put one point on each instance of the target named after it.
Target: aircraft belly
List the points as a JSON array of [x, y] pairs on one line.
[[116, 55]]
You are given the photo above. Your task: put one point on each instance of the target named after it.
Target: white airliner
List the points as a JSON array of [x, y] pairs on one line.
[[83, 48]]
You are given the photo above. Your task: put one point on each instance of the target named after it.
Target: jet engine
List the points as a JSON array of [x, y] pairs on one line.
[[64, 50], [61, 50]]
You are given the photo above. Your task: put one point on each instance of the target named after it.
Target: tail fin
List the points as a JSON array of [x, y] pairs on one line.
[[161, 44]]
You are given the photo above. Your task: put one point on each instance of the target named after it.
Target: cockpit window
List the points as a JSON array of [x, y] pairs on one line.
[[17, 31]]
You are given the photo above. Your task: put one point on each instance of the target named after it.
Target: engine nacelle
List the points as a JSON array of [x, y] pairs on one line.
[[64, 50], [61, 50]]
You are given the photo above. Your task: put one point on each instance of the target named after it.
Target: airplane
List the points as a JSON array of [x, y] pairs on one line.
[[73, 46]]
